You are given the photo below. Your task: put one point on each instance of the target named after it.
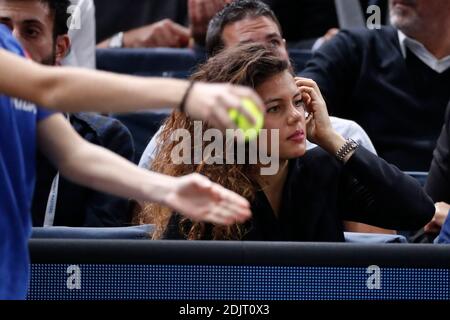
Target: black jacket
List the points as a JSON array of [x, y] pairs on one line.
[[78, 206], [320, 193], [400, 102]]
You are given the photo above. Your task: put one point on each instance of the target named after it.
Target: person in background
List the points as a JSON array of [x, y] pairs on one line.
[[313, 191], [393, 81], [308, 24], [438, 184], [162, 33], [245, 21]]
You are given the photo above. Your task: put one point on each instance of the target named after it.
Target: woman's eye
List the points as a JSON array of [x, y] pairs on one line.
[[273, 109]]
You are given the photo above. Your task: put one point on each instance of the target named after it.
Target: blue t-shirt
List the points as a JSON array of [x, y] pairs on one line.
[[18, 120]]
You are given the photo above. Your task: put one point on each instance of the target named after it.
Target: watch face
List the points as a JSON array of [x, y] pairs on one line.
[[116, 41]]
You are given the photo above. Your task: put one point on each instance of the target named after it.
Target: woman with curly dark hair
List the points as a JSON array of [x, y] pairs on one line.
[[312, 192]]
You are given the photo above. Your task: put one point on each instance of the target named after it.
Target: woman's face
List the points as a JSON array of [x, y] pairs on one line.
[[285, 111]]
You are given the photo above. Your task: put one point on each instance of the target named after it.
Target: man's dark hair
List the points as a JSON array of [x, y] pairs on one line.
[[248, 64], [59, 10], [235, 11]]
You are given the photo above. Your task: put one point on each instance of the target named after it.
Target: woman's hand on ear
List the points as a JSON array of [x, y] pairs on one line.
[[318, 124]]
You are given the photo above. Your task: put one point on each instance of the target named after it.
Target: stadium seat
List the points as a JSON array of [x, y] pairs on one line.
[[161, 62], [165, 62], [142, 125]]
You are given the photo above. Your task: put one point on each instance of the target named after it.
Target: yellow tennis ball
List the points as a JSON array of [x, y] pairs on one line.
[[251, 131]]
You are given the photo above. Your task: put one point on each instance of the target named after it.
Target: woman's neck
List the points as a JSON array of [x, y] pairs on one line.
[[273, 186]]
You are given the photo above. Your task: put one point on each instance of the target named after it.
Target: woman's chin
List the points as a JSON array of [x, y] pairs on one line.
[[292, 154]]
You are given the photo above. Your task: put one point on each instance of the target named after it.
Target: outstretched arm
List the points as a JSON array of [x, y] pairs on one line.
[[77, 90], [92, 166]]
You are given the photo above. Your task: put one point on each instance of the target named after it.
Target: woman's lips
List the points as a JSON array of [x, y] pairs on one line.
[[298, 136]]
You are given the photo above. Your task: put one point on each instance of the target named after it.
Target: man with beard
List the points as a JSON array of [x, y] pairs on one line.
[[393, 81]]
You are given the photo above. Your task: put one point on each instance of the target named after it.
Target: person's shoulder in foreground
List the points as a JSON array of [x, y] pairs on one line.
[[444, 236], [18, 121]]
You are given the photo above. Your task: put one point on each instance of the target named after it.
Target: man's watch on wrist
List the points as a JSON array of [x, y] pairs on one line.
[[349, 146], [116, 40]]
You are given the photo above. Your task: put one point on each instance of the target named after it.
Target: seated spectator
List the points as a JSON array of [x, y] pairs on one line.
[[319, 22], [59, 201], [338, 181], [245, 21], [144, 33], [393, 81]]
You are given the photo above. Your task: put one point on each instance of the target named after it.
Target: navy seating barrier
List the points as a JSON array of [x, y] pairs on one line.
[[126, 233], [144, 232], [214, 270], [167, 62], [164, 62]]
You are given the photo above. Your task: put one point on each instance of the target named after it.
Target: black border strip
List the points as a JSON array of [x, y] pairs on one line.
[[238, 253]]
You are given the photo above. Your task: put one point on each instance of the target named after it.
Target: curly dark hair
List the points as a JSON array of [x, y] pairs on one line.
[[248, 65]]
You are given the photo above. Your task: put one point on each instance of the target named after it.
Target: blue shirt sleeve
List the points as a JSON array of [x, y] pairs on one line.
[[444, 236], [43, 113], [8, 42]]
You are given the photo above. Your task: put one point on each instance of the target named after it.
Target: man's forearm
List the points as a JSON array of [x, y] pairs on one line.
[[74, 90], [77, 90], [105, 171]]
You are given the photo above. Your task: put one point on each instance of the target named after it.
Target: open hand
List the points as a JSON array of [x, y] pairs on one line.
[[199, 199]]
